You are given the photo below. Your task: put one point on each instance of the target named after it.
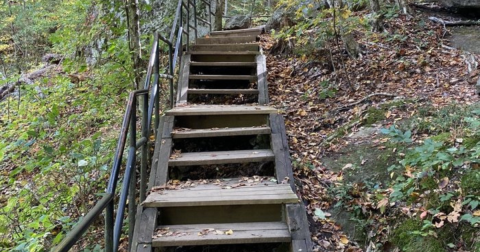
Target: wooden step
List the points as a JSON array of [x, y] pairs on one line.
[[222, 77], [227, 40], [226, 47], [216, 234], [215, 132], [236, 191], [222, 91], [224, 53], [190, 110], [224, 64], [240, 32], [222, 157]]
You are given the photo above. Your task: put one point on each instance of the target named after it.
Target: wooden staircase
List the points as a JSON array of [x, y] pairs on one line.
[[221, 174]]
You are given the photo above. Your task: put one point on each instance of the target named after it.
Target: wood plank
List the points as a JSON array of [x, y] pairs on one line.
[[260, 28], [168, 126], [161, 176], [256, 232], [219, 110], [222, 157], [156, 152], [222, 77], [244, 195], [222, 91], [298, 224], [183, 80], [223, 53], [300, 246], [144, 248], [144, 228], [262, 79], [227, 40], [215, 132], [240, 32], [221, 214], [283, 167], [224, 64], [224, 58], [226, 47]]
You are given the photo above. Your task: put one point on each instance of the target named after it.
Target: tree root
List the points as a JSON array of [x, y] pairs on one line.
[[348, 106]]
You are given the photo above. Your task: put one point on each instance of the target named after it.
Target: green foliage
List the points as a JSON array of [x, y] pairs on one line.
[[397, 136]]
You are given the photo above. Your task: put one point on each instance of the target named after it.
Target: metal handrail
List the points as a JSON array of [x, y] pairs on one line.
[[151, 106]]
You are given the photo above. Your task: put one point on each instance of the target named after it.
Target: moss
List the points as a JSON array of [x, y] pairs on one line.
[[374, 115], [408, 242], [442, 137], [470, 182]]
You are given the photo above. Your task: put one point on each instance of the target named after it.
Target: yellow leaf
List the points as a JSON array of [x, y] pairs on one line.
[[476, 213], [229, 232], [344, 239]]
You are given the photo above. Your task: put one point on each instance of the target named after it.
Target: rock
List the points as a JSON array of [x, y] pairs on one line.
[[282, 17], [52, 58], [238, 22], [461, 3]]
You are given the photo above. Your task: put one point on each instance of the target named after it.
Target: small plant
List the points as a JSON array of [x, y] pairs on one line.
[[397, 136]]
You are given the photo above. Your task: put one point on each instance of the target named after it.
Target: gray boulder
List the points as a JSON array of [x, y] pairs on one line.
[[461, 3], [477, 87], [281, 17], [238, 22]]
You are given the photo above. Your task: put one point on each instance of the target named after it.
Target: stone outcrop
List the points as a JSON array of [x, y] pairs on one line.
[[238, 22], [461, 3]]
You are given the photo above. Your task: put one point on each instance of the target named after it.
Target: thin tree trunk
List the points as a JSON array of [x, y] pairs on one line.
[[377, 22], [133, 23], [218, 15]]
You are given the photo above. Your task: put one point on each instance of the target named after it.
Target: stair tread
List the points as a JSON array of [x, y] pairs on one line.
[[224, 52], [215, 234], [220, 110], [237, 191], [223, 64], [222, 91], [221, 77], [216, 132], [222, 157], [226, 47], [227, 40], [258, 28]]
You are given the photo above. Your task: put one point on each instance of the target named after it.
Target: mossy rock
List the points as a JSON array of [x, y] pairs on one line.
[[374, 115], [404, 238], [470, 182]]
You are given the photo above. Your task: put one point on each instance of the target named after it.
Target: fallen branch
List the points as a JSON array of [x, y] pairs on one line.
[[453, 23], [346, 107]]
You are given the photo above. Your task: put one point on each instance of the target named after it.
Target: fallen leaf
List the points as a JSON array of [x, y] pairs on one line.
[[443, 183], [229, 232]]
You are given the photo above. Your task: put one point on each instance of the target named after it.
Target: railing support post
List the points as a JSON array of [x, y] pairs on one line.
[[109, 226], [132, 178], [144, 163], [195, 18]]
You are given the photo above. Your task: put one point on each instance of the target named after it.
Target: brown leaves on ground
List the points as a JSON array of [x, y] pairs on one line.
[[411, 63]]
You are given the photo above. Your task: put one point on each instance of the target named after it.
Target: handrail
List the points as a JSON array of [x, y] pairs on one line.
[[151, 109]]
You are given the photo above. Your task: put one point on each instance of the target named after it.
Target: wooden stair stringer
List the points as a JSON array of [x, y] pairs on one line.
[[146, 218]]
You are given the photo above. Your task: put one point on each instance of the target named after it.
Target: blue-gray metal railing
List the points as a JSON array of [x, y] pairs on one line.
[[151, 109]]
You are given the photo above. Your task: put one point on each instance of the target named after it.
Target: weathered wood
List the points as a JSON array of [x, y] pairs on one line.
[[222, 91], [300, 246], [156, 152], [161, 176], [224, 52], [224, 64], [226, 47], [183, 80], [221, 121], [227, 40], [144, 248], [283, 167], [262, 79], [222, 157], [298, 224], [257, 232], [239, 32], [222, 77], [144, 228], [215, 132], [168, 126], [219, 110]]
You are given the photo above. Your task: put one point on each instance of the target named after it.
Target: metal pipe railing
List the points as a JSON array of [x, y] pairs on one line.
[[151, 109]]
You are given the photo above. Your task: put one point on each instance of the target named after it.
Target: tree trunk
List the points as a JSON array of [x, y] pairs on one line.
[[133, 22], [377, 22], [218, 15]]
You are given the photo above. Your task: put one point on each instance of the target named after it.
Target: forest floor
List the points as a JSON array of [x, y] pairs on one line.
[[406, 73]]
